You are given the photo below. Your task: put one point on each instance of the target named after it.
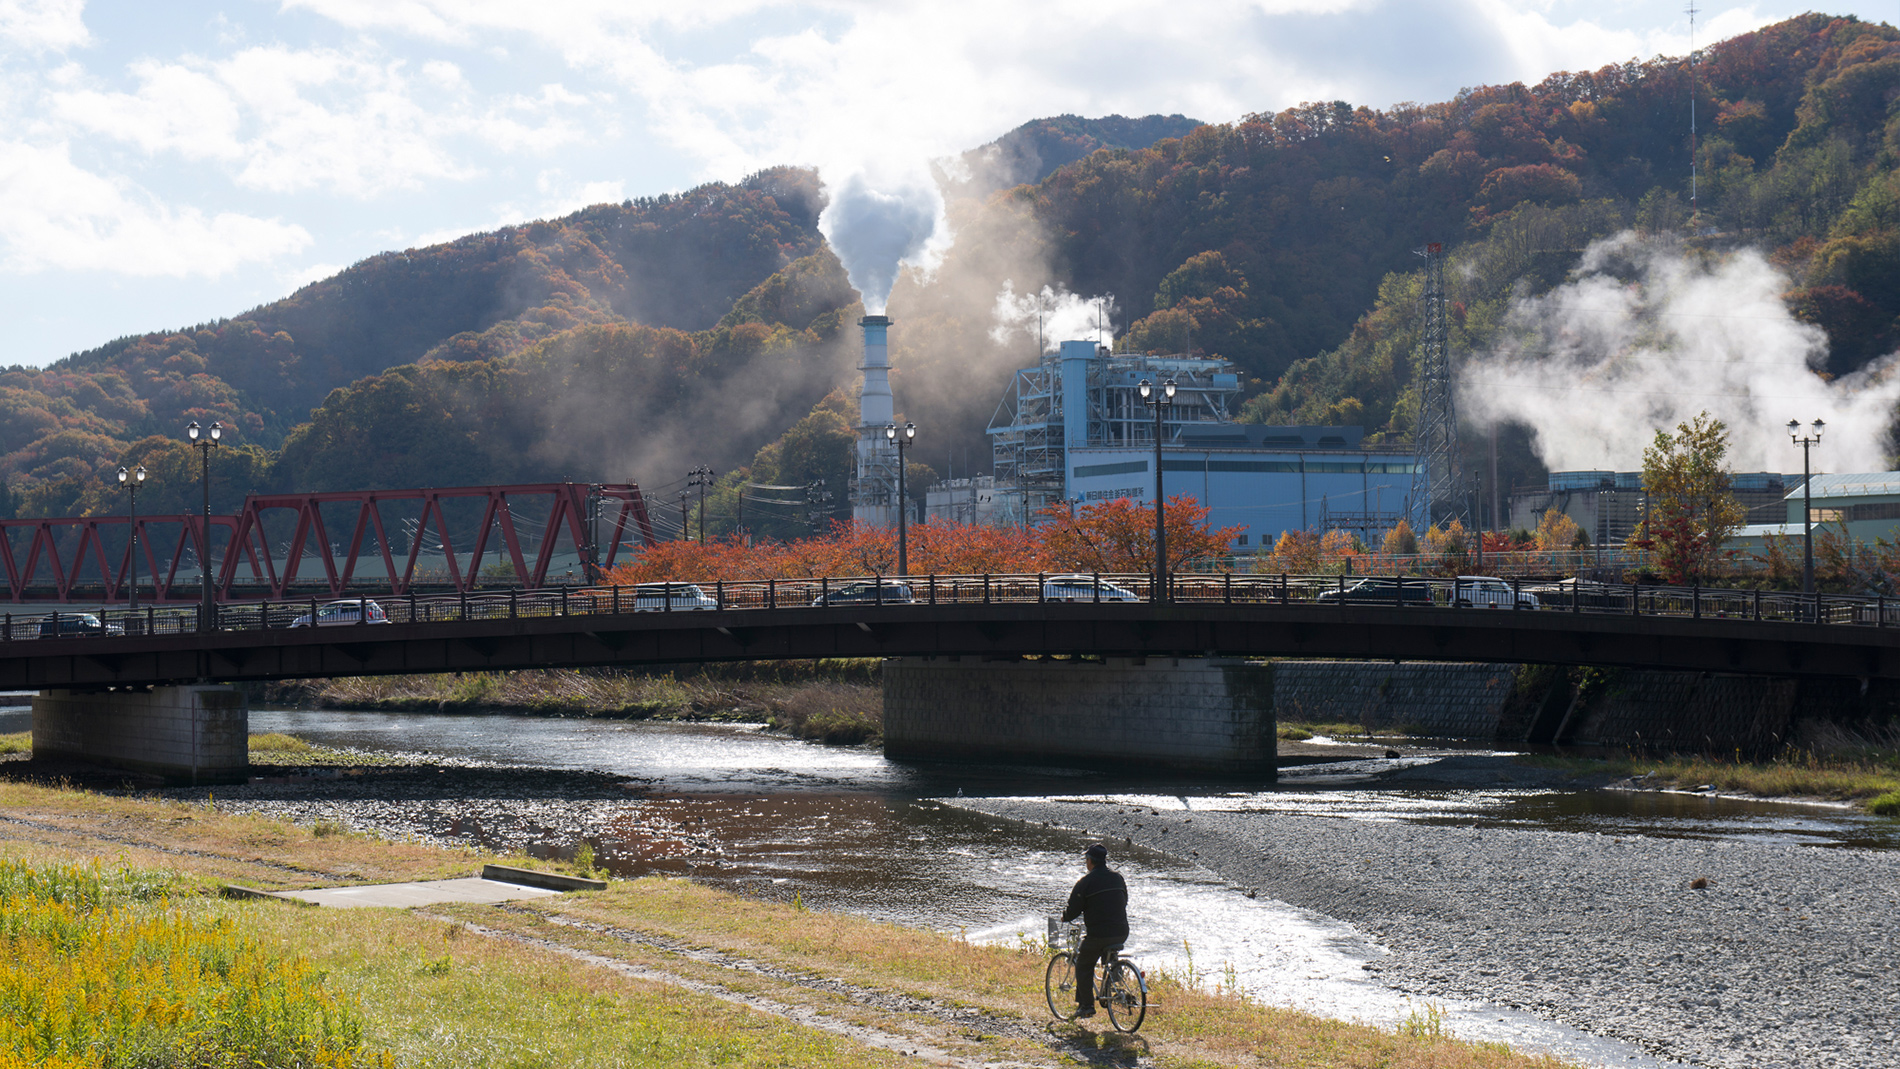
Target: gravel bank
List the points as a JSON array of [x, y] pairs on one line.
[[1784, 960]]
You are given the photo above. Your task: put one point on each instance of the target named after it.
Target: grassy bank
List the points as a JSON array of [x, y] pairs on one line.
[[829, 701], [1827, 762], [652, 972]]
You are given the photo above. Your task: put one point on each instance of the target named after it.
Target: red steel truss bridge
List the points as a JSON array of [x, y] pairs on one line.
[[432, 540]]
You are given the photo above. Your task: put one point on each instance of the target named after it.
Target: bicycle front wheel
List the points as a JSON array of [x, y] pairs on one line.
[[1126, 992], [1058, 986]]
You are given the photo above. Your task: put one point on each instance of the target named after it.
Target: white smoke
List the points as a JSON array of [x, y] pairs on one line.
[[1053, 316], [1646, 337], [875, 225]]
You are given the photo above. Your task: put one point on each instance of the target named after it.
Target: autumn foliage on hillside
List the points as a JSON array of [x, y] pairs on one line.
[[1112, 537]]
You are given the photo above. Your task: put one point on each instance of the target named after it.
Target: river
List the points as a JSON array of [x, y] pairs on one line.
[[842, 828]]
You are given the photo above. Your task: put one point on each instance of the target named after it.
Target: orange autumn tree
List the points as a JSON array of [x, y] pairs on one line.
[[1115, 536], [1119, 536]]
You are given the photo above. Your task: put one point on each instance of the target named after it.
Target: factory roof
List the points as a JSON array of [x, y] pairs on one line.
[[1859, 484], [1252, 435]]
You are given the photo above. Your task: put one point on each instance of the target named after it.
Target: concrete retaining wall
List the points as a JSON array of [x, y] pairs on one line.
[[1183, 714], [1445, 700], [197, 734]]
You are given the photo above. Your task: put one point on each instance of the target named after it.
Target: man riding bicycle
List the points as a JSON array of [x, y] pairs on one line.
[[1100, 898]]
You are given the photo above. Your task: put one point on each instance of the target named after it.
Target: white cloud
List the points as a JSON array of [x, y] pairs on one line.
[[289, 120], [42, 25], [57, 215]]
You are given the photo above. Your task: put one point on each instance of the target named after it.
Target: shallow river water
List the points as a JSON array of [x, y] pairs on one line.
[[843, 828]]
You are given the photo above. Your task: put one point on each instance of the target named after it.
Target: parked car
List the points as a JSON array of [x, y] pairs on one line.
[[1473, 591], [1380, 590], [344, 613], [62, 624], [671, 597], [869, 592], [1083, 588]]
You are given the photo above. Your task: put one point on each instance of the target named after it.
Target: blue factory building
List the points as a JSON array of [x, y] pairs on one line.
[[1074, 429]]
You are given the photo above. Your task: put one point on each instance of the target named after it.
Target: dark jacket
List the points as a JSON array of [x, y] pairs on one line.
[[1101, 900]]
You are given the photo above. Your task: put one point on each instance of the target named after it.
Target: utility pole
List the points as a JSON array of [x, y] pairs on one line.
[[686, 520], [1160, 400], [1806, 441], [701, 477], [817, 503]]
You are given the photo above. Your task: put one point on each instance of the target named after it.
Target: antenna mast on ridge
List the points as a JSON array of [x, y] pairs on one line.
[[1436, 486], [1695, 218]]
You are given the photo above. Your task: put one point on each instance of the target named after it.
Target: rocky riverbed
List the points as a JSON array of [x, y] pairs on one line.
[[1743, 954]]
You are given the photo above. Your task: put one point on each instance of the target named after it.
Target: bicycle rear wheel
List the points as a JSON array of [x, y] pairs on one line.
[[1125, 990], [1058, 986]]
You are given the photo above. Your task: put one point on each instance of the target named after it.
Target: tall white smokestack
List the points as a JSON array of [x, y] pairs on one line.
[[874, 497]]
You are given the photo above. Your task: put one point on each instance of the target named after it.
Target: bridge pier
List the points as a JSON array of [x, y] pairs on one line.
[[1185, 714], [187, 735]]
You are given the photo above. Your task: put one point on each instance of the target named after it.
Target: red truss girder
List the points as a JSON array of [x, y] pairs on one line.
[[623, 509], [91, 546]]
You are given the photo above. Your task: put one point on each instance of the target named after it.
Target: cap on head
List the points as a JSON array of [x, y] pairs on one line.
[[1097, 853]]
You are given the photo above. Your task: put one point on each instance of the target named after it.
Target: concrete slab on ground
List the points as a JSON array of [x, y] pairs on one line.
[[424, 893]]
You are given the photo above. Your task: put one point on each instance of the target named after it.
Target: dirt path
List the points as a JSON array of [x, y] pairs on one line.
[[934, 1030]]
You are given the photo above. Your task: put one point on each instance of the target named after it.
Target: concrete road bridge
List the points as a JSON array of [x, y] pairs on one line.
[[968, 620]]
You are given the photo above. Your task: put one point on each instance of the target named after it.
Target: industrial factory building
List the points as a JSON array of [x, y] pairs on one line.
[[1607, 505], [1075, 430], [1868, 503]]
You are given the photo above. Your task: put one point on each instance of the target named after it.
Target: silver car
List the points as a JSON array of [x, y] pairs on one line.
[[1483, 591], [670, 597], [344, 613], [1083, 588]]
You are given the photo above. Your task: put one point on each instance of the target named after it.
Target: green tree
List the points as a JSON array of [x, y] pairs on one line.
[[1692, 507]]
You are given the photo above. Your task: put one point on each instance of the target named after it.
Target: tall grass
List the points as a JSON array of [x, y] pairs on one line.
[[16, 742], [837, 713], [827, 701], [1825, 761], [96, 971], [277, 742]]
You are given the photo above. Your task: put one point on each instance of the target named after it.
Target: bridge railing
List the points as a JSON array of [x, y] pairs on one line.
[[858, 593]]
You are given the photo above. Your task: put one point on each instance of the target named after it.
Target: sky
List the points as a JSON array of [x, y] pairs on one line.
[[164, 164]]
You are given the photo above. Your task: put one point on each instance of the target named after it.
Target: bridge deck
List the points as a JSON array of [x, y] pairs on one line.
[[974, 616]]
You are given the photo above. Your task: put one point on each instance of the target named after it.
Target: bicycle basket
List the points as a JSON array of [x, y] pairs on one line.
[[1063, 935]]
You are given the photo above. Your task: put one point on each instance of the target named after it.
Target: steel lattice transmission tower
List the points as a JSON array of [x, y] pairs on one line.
[[1436, 486]]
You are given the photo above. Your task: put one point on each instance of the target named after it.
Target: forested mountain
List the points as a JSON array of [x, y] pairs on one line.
[[640, 339], [1036, 150], [673, 262]]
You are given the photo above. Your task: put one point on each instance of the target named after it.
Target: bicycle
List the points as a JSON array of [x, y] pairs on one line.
[[1123, 990]]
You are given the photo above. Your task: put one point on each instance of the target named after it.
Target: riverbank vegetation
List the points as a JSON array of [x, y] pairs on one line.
[[835, 701], [1832, 762], [652, 972], [100, 969]]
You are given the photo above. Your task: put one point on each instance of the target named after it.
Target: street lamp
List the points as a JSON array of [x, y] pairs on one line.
[[902, 437], [206, 611], [1160, 400], [1805, 441], [701, 477], [131, 480]]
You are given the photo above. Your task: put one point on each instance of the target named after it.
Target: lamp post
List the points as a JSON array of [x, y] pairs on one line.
[[903, 437], [701, 477], [1160, 400], [205, 443], [1806, 441], [131, 480]]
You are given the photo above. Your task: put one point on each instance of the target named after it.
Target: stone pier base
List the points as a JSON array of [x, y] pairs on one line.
[[196, 734], [1159, 714]]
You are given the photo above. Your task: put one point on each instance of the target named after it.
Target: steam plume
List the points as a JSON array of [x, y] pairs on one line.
[[873, 230], [1645, 337], [1064, 316]]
